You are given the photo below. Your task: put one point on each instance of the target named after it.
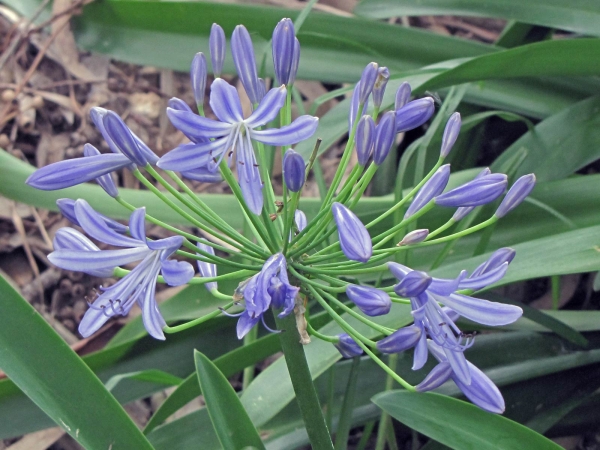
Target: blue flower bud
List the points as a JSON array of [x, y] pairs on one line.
[[217, 45], [207, 270], [365, 135], [414, 114], [294, 170], [284, 52], [367, 81], [300, 220], [402, 95], [516, 194], [369, 300], [400, 340], [245, 63], [384, 137], [432, 188], [123, 139], [348, 347], [295, 62], [414, 237], [462, 212], [354, 237], [198, 77], [105, 181], [476, 192], [450, 134], [383, 75], [413, 284]]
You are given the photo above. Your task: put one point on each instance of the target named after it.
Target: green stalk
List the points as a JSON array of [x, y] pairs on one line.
[[306, 395], [248, 374], [345, 422], [385, 421]]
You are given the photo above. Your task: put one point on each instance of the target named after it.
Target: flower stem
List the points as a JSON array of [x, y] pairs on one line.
[[306, 395]]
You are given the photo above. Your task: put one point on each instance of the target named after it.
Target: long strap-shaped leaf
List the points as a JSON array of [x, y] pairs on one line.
[[458, 424], [230, 421], [58, 381]]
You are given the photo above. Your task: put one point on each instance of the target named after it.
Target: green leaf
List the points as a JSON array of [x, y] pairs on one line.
[[579, 16], [458, 424], [151, 376], [38, 361], [229, 419]]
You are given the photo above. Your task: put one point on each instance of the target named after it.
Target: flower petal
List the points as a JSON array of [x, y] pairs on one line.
[[71, 172], [482, 311], [71, 239], [225, 102], [105, 181], [168, 246], [196, 127], [137, 224], [245, 324], [301, 128], [176, 273], [355, 240], [207, 270], [268, 108], [249, 176], [400, 340], [482, 391], [485, 279], [95, 226], [153, 320], [192, 155], [85, 261]]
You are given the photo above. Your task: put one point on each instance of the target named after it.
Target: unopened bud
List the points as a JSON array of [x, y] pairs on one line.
[[516, 194], [414, 237], [384, 137], [294, 170], [450, 134], [414, 114], [365, 135], [217, 46]]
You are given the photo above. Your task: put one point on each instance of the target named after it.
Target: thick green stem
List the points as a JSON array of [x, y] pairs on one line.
[[306, 395]]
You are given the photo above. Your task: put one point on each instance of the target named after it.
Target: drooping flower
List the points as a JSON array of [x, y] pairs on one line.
[[427, 295], [231, 132], [139, 285], [269, 288], [128, 151], [354, 237], [481, 390]]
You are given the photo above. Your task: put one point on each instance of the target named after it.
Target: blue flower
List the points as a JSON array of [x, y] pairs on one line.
[[286, 52], [217, 44], [245, 63], [365, 135], [432, 188], [232, 132], [428, 295], [139, 285], [127, 151], [198, 78], [294, 170], [348, 346], [383, 75], [269, 288], [371, 301], [476, 192], [516, 194]]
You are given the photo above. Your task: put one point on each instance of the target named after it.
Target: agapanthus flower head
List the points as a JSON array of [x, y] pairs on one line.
[[294, 171], [206, 269], [432, 188], [414, 114], [139, 285], [245, 63], [450, 134], [286, 52], [365, 136], [384, 137], [371, 301], [217, 45], [516, 194], [269, 288], [476, 192], [232, 132], [383, 75], [354, 237], [198, 72], [402, 95], [367, 81], [348, 346]]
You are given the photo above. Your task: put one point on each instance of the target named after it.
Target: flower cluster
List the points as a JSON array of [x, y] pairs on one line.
[[289, 259]]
